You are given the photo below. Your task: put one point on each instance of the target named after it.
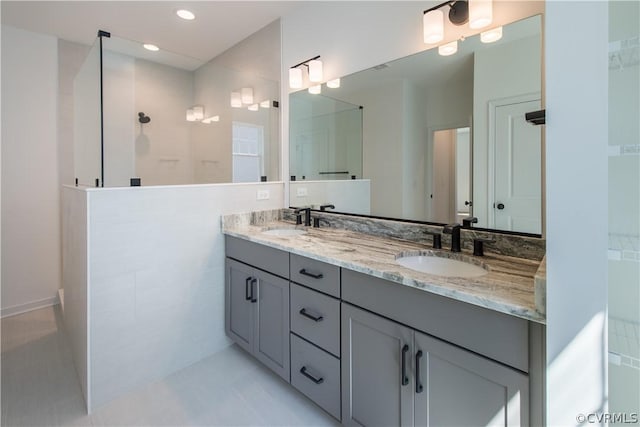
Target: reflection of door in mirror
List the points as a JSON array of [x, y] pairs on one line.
[[517, 169], [450, 175]]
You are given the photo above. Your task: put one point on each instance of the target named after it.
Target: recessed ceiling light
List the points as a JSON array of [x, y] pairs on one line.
[[151, 47], [186, 14]]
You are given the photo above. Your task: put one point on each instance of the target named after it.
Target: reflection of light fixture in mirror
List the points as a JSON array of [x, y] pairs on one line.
[[186, 14], [295, 78], [448, 49], [480, 13], [151, 47], [333, 84], [247, 95], [236, 100], [191, 117], [253, 107], [491, 36], [315, 70], [433, 26], [198, 112], [211, 119], [315, 90], [265, 104]]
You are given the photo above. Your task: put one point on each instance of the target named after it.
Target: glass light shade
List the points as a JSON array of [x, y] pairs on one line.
[[333, 84], [190, 115], [491, 36], [186, 14], [315, 90], [198, 112], [295, 78], [315, 71], [433, 26], [253, 107], [265, 104], [247, 95], [208, 120], [480, 13], [448, 49], [236, 100], [151, 47]]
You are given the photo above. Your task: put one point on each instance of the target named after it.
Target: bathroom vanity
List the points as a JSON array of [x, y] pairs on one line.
[[332, 312]]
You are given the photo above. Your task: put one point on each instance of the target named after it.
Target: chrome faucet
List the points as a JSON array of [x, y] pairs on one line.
[[454, 230]]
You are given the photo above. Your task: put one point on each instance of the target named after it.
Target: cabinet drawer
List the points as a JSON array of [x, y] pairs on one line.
[[316, 317], [316, 274], [316, 374], [265, 258]]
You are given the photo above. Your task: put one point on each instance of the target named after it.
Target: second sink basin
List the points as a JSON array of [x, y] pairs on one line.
[[441, 266], [284, 232]]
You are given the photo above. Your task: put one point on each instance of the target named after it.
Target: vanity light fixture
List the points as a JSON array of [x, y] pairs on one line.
[[246, 94], [198, 112], [190, 115], [186, 14], [265, 104], [478, 13], [333, 84], [315, 90], [448, 49], [491, 36], [151, 47], [236, 100], [253, 107], [314, 68]]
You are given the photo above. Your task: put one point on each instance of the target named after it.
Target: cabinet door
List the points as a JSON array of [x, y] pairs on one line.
[[271, 345], [375, 390], [460, 388], [239, 317]]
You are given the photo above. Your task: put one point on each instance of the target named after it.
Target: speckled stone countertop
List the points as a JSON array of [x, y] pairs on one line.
[[508, 287]]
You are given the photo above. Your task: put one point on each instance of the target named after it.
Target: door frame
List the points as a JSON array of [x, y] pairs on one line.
[[493, 105]]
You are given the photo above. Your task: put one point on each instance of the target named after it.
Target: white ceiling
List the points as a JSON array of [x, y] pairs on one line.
[[218, 24]]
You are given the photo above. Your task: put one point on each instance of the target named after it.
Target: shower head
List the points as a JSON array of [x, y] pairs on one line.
[[142, 118]]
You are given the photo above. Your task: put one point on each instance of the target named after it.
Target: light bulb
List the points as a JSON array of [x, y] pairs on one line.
[[433, 26], [253, 107], [480, 13], [491, 36], [315, 90], [236, 100], [247, 95], [448, 49], [186, 14], [315, 70], [333, 84], [265, 104], [190, 115], [198, 112], [295, 78]]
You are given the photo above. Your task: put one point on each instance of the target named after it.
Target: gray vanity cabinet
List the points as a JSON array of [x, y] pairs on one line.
[[394, 375], [375, 390], [257, 314]]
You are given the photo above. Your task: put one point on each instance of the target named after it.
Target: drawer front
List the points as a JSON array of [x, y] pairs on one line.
[[265, 258], [316, 317], [316, 374], [316, 274]]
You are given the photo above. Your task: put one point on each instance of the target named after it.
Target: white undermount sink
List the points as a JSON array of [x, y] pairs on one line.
[[440, 266], [284, 232]]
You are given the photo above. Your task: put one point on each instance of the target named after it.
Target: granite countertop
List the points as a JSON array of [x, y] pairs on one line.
[[509, 287]]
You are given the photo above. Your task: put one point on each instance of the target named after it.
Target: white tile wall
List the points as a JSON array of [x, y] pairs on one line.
[[156, 281]]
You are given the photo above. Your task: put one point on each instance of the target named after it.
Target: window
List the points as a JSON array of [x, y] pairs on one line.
[[248, 152]]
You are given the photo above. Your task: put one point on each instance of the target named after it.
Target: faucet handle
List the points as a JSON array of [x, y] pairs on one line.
[[478, 246], [437, 239]]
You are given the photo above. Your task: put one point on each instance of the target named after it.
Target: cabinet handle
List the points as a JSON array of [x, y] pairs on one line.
[[418, 380], [254, 282], [314, 275], [405, 378], [303, 312], [247, 295], [304, 372]]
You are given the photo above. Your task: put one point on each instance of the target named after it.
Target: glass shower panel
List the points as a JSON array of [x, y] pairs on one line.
[[86, 152], [624, 209]]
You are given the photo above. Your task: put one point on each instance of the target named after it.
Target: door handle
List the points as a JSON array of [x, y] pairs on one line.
[[405, 378], [418, 381], [468, 203], [254, 282], [314, 275], [304, 372], [303, 311], [247, 295], [499, 206]]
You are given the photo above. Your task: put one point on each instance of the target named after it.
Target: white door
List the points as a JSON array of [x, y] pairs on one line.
[[443, 178], [517, 203]]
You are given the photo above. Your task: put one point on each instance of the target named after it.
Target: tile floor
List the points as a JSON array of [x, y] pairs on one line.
[[40, 387]]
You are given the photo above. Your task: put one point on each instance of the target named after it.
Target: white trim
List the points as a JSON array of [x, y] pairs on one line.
[[29, 306], [491, 148]]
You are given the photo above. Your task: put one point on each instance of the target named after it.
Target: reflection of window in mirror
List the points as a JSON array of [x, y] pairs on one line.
[[248, 152]]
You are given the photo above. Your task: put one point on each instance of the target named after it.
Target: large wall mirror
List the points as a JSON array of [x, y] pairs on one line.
[[429, 138]]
